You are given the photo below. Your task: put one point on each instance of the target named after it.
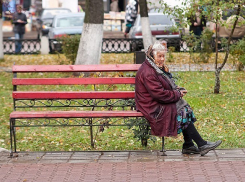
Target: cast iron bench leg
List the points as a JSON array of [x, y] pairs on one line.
[[163, 150], [11, 136]]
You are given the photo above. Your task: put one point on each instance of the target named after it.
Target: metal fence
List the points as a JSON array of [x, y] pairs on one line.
[[109, 45], [121, 45], [29, 46]]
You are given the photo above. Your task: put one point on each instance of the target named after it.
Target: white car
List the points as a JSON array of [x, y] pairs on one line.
[[65, 24]]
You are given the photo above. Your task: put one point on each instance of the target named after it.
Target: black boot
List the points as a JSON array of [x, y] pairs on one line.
[[188, 146], [209, 146], [191, 150]]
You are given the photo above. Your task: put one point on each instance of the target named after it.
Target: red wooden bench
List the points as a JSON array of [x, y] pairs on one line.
[[26, 101]]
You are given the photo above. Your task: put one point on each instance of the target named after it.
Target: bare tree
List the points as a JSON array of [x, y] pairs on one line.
[[145, 24], [213, 12], [219, 68], [89, 50], [1, 30]]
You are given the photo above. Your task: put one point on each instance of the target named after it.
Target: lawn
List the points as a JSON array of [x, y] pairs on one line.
[[220, 116], [106, 58]]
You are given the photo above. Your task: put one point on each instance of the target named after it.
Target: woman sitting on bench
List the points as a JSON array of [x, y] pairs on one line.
[[160, 101]]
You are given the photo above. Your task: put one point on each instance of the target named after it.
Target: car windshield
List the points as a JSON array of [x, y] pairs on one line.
[[160, 20], [70, 22], [47, 21], [53, 12], [226, 14]]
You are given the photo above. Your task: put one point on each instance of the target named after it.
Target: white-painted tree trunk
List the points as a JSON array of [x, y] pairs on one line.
[[89, 50], [146, 32], [1, 38]]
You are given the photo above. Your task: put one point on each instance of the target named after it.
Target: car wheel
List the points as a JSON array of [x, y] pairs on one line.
[[133, 47], [39, 35], [177, 48]]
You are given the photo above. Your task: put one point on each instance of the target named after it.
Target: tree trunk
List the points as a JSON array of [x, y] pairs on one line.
[[1, 31], [217, 81], [146, 31], [89, 50]]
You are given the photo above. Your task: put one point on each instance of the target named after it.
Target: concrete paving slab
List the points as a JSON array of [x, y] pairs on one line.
[[219, 165]]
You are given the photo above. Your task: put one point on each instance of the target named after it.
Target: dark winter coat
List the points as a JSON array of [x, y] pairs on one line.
[[156, 100], [197, 30], [19, 27]]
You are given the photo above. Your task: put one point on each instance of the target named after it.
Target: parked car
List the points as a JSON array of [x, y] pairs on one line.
[[162, 26], [176, 19], [65, 24], [44, 22], [227, 18]]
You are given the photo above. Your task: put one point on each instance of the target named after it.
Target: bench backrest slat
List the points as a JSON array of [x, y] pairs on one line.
[[75, 68], [72, 81], [74, 95]]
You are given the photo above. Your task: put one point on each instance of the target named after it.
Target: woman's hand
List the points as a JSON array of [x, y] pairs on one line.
[[183, 92]]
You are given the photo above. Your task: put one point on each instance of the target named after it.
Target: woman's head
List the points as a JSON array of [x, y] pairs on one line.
[[159, 50]]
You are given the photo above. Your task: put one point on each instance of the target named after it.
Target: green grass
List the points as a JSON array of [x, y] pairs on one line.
[[220, 116], [106, 58]]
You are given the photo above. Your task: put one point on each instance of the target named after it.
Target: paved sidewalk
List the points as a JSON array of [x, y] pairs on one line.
[[123, 166]]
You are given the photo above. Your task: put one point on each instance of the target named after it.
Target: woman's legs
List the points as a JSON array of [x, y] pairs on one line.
[[204, 146], [191, 133], [187, 140]]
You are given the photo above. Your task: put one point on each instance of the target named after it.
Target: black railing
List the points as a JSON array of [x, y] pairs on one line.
[[55, 46], [110, 45], [29, 46]]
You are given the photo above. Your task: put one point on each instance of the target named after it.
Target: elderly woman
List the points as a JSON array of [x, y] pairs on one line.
[[160, 101]]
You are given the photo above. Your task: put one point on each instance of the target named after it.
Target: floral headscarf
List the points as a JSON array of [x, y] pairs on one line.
[[157, 46]]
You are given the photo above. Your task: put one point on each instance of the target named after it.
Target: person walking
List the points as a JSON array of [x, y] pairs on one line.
[[114, 6], [161, 102], [131, 15], [19, 21], [197, 25]]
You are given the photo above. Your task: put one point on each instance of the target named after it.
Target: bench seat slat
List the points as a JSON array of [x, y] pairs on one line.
[[74, 114], [73, 95], [72, 81], [75, 68]]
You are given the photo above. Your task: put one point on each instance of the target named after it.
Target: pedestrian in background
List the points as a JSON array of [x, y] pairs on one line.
[[197, 24], [131, 15], [19, 21], [114, 6]]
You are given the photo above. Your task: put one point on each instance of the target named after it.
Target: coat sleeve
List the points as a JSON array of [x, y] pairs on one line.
[[25, 19], [14, 19], [158, 92]]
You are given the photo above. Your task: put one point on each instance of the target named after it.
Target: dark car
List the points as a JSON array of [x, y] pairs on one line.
[[44, 22], [162, 27]]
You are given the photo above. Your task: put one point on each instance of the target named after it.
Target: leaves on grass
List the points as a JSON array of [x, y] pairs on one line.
[[219, 115]]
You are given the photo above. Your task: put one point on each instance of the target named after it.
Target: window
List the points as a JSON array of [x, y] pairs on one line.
[[160, 20], [70, 22]]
